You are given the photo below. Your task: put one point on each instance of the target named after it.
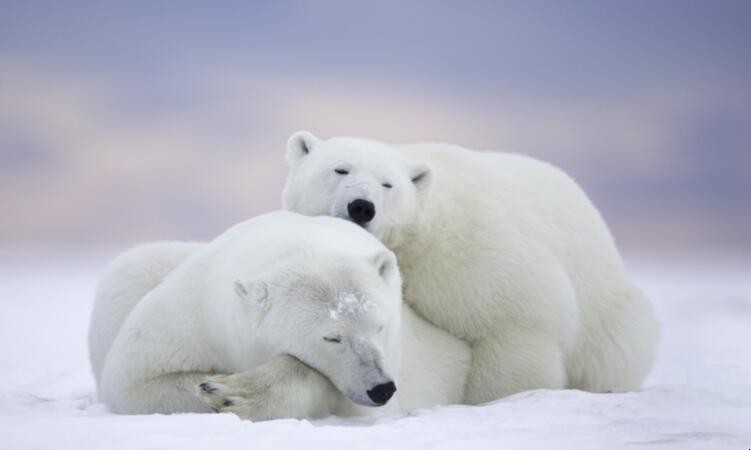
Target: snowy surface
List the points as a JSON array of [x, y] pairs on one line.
[[698, 396]]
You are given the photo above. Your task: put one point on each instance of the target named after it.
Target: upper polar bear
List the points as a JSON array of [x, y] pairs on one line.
[[250, 315], [499, 249]]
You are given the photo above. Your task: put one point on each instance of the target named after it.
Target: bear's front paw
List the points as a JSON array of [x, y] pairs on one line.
[[237, 395]]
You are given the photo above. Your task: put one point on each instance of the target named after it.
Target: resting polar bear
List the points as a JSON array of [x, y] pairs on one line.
[[501, 250], [264, 296]]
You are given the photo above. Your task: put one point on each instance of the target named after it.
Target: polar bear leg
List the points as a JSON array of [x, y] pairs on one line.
[[282, 388], [513, 362], [617, 352], [125, 282]]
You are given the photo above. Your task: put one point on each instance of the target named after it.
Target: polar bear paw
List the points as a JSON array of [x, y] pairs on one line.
[[241, 394], [281, 388]]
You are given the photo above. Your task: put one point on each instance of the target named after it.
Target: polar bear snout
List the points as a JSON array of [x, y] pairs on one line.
[[360, 372], [361, 211], [382, 393]]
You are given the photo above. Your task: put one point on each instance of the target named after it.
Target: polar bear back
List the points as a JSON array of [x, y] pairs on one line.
[[522, 220], [511, 191], [511, 203]]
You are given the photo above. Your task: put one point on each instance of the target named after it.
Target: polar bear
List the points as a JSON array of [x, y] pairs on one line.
[[499, 249], [281, 316]]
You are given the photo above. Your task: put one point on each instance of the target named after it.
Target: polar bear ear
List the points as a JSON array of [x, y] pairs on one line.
[[300, 145], [385, 263], [421, 174], [255, 292]]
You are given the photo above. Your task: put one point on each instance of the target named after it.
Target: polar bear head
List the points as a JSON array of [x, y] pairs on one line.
[[337, 313], [363, 181]]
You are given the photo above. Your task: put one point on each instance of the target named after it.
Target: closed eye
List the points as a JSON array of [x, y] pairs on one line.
[[387, 185], [341, 171], [336, 339]]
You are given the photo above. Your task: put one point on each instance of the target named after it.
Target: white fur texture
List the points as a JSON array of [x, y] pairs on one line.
[[281, 316], [501, 250]]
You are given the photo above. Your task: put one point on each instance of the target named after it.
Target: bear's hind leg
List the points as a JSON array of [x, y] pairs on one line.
[[514, 362]]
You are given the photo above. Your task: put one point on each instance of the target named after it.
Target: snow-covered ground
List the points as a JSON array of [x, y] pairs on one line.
[[698, 396]]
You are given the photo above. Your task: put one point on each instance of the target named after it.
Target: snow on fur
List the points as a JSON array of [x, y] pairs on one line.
[[351, 303]]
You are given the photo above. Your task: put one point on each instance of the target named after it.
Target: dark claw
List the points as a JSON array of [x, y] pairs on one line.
[[206, 387]]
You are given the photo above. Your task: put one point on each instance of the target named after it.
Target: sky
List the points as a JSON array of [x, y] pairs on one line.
[[131, 121]]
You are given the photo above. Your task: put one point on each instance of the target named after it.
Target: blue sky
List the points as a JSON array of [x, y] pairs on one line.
[[647, 104]]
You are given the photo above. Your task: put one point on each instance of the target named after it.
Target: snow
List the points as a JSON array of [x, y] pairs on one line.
[[349, 303], [698, 396]]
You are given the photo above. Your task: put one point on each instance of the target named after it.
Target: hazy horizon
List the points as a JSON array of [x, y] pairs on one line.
[[128, 122]]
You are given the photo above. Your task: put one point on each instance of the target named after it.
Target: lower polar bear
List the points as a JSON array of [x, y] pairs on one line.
[[281, 316], [501, 250]]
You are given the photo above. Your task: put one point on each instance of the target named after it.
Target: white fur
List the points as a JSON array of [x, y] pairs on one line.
[[251, 317], [501, 250]]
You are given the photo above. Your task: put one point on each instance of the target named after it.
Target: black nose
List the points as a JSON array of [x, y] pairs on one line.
[[382, 393], [361, 211]]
